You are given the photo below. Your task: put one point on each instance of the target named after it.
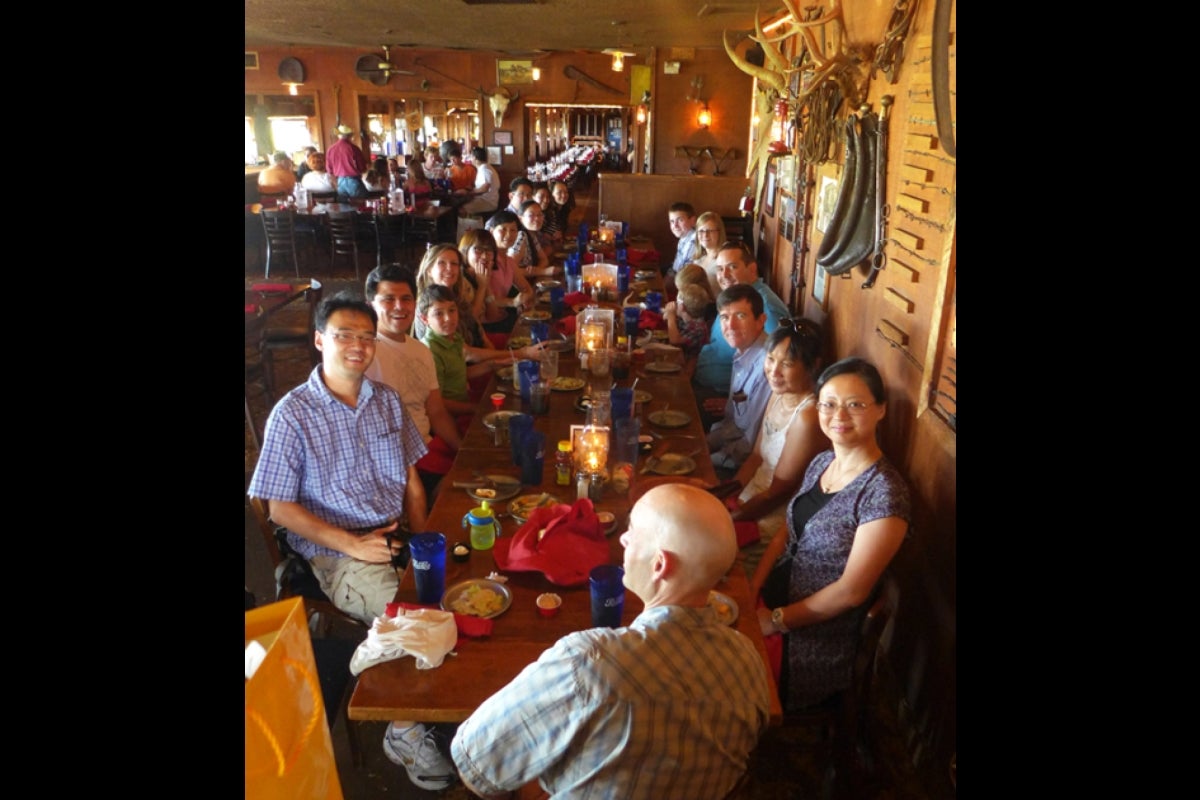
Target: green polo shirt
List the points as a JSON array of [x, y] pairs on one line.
[[451, 362]]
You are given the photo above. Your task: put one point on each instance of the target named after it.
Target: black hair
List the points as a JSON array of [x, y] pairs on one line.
[[434, 293], [342, 301], [860, 367], [741, 291], [804, 340], [397, 273]]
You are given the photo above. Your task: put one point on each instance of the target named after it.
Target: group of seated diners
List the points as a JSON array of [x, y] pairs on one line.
[[817, 514]]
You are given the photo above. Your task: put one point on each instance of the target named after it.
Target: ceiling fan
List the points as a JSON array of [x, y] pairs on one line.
[[378, 70]]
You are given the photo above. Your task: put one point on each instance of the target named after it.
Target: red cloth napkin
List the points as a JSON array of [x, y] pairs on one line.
[[271, 287], [467, 624], [640, 256], [650, 320], [575, 298], [572, 545], [251, 308]]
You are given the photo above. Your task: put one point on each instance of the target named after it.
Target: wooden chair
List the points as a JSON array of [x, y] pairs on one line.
[[256, 374], [389, 236], [279, 225], [294, 578], [296, 338], [343, 237]]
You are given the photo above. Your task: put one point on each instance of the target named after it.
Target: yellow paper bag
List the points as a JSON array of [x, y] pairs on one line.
[[289, 753]]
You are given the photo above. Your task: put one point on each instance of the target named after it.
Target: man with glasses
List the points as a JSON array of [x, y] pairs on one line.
[[743, 322], [338, 465], [682, 219]]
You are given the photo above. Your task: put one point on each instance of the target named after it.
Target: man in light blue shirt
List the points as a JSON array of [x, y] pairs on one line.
[[713, 367], [682, 219], [669, 707]]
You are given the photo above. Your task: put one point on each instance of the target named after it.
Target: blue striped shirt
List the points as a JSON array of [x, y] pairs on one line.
[[670, 706], [347, 466]]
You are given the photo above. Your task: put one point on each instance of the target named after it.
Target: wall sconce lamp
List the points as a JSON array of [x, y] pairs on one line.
[[537, 73], [643, 108], [704, 117], [293, 89], [618, 58], [641, 115], [777, 144]]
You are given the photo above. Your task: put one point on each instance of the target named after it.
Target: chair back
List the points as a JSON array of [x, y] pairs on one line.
[[389, 234], [279, 225], [343, 237]]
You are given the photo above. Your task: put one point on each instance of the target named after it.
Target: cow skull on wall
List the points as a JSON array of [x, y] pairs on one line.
[[498, 101]]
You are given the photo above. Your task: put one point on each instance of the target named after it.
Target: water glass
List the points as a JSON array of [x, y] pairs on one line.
[[654, 301], [539, 398], [600, 362], [533, 458], [608, 595], [539, 332], [632, 315], [429, 566], [622, 403], [622, 279], [519, 426], [527, 372], [558, 306], [549, 365]]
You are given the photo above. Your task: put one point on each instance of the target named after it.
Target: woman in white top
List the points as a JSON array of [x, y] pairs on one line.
[[710, 235], [790, 435]]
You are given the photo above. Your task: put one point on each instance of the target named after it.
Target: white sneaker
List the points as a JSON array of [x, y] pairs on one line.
[[416, 750]]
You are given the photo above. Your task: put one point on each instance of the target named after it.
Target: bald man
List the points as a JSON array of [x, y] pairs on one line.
[[670, 706]]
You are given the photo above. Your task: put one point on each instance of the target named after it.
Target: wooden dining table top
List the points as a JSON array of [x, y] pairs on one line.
[[261, 303], [479, 667]]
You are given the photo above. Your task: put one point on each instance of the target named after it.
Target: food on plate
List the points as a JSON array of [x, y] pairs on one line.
[[566, 383], [489, 493], [723, 609], [478, 601]]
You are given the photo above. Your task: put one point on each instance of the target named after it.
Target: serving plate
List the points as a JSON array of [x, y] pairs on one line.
[[642, 396], [566, 383], [504, 374], [663, 366], [547, 285], [506, 487], [726, 607], [465, 593], [667, 419], [524, 505], [645, 275], [491, 419], [535, 316], [609, 521], [515, 342], [673, 464]]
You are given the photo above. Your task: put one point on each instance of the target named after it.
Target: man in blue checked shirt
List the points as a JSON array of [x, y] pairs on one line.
[[670, 706], [338, 464]]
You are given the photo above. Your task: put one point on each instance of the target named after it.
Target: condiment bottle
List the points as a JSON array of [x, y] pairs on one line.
[[563, 464]]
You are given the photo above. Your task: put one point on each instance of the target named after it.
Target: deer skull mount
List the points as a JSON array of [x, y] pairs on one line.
[[498, 101]]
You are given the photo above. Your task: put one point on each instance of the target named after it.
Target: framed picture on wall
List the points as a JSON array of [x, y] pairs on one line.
[[502, 138], [513, 73], [826, 200], [820, 284], [768, 201]]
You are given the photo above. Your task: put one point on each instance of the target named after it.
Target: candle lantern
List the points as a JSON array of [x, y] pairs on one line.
[[592, 451], [593, 331]]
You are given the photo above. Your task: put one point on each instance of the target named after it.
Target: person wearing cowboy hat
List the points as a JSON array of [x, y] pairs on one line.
[[344, 160]]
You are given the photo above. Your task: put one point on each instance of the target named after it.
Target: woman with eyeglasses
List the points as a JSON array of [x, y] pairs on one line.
[[789, 438], [710, 234], [844, 526]]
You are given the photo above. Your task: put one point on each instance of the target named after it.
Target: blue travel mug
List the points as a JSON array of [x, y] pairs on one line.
[[608, 595], [529, 371], [533, 458], [519, 426], [429, 566], [632, 315]]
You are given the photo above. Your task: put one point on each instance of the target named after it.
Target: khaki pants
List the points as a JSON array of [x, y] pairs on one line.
[[360, 589]]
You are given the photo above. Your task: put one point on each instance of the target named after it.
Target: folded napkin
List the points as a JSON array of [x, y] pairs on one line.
[[575, 298], [467, 625], [425, 634], [271, 287], [563, 542], [251, 308]]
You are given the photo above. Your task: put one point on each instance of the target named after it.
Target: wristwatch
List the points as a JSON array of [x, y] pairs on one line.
[[777, 620]]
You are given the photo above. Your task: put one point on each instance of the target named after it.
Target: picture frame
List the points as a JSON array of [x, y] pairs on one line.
[[494, 157], [768, 203], [514, 72], [820, 285], [826, 202], [502, 138]]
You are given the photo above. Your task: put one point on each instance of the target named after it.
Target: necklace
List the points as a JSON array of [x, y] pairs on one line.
[[844, 475]]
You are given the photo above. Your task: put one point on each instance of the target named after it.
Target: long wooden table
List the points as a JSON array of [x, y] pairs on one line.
[[480, 667]]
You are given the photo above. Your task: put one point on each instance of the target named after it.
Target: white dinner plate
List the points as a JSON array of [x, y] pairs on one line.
[[460, 593]]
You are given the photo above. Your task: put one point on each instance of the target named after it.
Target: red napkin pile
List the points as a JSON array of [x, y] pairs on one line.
[[467, 624], [650, 320], [251, 308], [575, 298], [640, 256], [566, 325], [571, 546]]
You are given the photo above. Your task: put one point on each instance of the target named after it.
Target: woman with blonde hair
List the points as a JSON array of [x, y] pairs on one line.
[[710, 235]]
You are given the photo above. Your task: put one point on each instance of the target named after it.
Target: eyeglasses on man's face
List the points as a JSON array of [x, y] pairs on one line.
[[854, 407], [351, 338]]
